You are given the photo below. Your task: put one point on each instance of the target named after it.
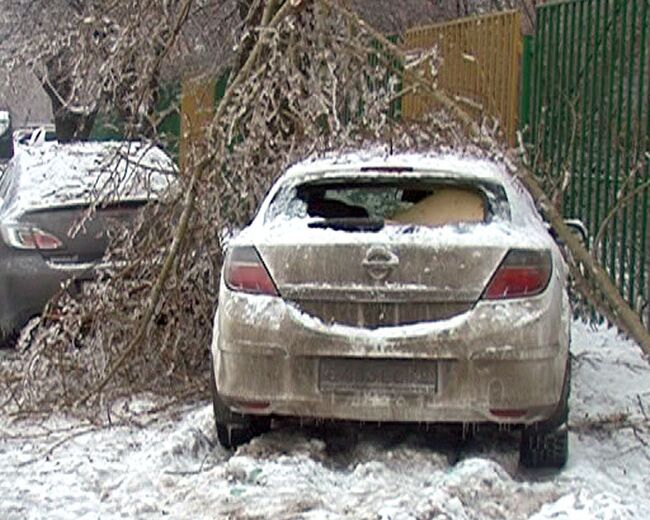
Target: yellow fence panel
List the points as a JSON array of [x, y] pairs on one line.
[[479, 67], [197, 111]]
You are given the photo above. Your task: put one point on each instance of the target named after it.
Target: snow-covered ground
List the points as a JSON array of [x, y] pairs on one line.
[[171, 466]]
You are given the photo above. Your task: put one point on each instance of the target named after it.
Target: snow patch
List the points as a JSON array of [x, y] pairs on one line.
[[173, 466]]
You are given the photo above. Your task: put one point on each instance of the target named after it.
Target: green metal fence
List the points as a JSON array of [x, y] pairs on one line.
[[589, 126]]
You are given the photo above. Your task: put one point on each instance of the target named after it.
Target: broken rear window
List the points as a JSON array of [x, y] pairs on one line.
[[406, 202]]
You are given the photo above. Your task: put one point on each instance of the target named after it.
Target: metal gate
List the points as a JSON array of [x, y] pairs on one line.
[[589, 126]]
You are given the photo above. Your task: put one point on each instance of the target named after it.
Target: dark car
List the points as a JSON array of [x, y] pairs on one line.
[[45, 192], [6, 138], [34, 135]]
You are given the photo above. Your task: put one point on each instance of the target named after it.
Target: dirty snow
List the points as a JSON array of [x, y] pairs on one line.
[[170, 464]]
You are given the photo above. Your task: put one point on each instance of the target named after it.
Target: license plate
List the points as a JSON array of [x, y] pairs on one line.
[[390, 376]]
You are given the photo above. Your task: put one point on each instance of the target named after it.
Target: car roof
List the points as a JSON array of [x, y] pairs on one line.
[[378, 162]]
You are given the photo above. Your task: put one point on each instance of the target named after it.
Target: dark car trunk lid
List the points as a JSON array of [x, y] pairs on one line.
[[84, 235]]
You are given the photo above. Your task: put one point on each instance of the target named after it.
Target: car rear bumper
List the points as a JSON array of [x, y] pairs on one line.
[[499, 362], [28, 282]]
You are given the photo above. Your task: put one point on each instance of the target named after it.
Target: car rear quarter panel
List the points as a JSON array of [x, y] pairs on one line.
[[27, 282]]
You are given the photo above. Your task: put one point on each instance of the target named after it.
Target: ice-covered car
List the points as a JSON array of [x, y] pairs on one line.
[[404, 288], [35, 134], [45, 194]]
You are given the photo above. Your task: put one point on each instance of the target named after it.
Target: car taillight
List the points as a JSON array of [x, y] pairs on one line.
[[245, 272], [23, 236], [521, 273]]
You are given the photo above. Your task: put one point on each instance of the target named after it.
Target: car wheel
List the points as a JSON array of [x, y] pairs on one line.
[[546, 444], [234, 429], [10, 339]]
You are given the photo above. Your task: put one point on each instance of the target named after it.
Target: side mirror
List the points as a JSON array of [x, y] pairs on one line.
[[6, 136], [579, 229]]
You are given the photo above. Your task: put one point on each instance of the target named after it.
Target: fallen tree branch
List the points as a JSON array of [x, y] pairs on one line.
[[188, 206], [409, 74], [620, 204], [620, 312], [609, 423], [623, 316], [591, 295]]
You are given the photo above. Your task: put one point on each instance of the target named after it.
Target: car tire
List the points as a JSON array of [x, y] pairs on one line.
[[544, 449], [10, 339], [234, 429], [546, 444]]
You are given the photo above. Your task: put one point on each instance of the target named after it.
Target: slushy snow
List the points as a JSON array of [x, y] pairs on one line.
[[170, 465]]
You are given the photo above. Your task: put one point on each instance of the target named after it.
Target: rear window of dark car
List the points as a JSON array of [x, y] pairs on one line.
[[406, 201]]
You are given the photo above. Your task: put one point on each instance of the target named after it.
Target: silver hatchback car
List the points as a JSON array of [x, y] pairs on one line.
[[399, 288]]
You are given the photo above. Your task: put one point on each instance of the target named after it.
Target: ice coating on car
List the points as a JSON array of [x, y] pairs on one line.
[[56, 174], [282, 217], [280, 232], [386, 307], [424, 161], [270, 312]]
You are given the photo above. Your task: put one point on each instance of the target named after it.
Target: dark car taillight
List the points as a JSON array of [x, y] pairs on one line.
[[24, 236], [244, 271], [521, 273]]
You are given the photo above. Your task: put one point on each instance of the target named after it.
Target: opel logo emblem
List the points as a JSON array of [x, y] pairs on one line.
[[379, 262]]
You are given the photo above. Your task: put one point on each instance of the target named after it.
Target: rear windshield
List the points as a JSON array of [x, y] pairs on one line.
[[394, 202]]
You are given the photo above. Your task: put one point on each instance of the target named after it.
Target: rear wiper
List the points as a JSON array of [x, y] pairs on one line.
[[349, 224]]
